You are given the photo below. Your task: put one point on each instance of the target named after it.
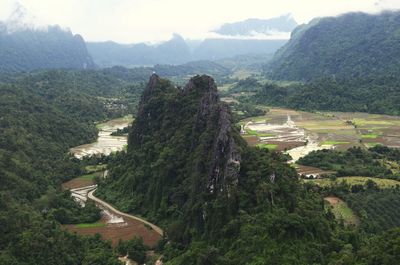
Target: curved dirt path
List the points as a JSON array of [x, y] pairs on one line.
[[111, 208]]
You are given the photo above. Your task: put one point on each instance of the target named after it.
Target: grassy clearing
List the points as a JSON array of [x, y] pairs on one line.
[[256, 133], [369, 136], [370, 145], [357, 180], [333, 143], [91, 225], [347, 132], [265, 135], [128, 117], [342, 211], [95, 168], [367, 122], [100, 125], [268, 146], [87, 177], [242, 74], [225, 87]]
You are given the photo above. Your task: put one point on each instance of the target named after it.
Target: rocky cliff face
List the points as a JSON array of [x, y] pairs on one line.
[[225, 159], [208, 115]]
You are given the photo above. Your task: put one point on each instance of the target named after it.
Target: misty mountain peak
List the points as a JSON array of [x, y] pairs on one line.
[[256, 26], [20, 19]]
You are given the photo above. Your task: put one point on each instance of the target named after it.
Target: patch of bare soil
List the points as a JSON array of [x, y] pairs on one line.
[[252, 140], [283, 146], [77, 183], [124, 231], [307, 170], [333, 200]]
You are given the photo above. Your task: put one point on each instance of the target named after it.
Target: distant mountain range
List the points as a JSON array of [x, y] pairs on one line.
[[177, 51], [353, 45], [174, 51], [255, 36], [24, 47], [259, 27]]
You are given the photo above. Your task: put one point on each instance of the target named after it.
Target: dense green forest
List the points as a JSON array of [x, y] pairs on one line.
[[352, 45], [374, 95], [42, 115], [379, 161], [221, 201], [378, 209]]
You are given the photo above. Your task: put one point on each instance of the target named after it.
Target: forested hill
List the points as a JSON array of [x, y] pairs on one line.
[[219, 200], [26, 49], [187, 137], [354, 45]]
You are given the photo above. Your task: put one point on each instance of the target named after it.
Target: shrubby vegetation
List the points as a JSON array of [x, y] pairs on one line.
[[120, 132], [61, 207], [246, 110], [249, 84], [356, 161], [134, 249]]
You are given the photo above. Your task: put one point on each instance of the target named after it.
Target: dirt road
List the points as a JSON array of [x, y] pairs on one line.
[[111, 208]]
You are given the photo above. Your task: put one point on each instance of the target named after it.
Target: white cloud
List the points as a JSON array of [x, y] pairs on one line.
[[153, 20]]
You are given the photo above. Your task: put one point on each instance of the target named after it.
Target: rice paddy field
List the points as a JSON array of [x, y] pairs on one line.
[[373, 129], [340, 130]]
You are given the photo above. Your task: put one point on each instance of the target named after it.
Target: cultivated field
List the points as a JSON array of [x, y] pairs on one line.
[[373, 129], [83, 181], [284, 129], [299, 132], [125, 230]]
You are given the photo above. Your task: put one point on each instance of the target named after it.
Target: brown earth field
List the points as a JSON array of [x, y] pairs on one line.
[[77, 183], [333, 200], [283, 146], [307, 170], [251, 140], [124, 231]]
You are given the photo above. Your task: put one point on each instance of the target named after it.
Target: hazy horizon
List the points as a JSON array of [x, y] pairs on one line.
[[127, 21]]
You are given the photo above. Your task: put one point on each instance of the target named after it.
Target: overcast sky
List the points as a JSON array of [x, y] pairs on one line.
[[129, 21]]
